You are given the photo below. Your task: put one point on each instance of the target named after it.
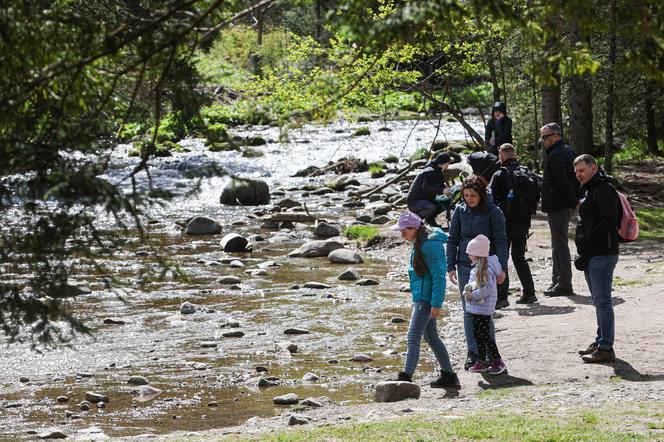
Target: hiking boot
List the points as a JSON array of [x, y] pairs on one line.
[[471, 360], [497, 367], [403, 376], [600, 356], [590, 350], [559, 291], [502, 303], [447, 379], [527, 299], [432, 223], [479, 367]]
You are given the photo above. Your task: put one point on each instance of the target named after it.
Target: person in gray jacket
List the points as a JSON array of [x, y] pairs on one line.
[[426, 186], [474, 216]]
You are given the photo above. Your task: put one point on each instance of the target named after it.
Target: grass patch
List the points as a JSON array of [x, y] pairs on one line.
[[420, 154], [377, 169], [391, 159], [622, 282], [361, 132], [501, 426], [361, 233], [495, 393], [651, 223]]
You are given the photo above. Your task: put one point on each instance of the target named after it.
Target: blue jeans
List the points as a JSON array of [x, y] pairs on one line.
[[463, 275], [422, 324], [599, 276]]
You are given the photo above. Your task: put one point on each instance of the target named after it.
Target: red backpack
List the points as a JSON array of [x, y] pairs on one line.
[[628, 229]]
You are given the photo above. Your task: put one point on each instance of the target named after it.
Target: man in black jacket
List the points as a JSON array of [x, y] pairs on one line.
[[560, 196], [597, 246], [499, 128], [428, 184], [517, 224]]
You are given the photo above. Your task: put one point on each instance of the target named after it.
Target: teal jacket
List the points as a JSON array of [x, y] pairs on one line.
[[430, 287]]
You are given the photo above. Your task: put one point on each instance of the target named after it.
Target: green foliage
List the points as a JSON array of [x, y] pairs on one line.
[[361, 233], [223, 147], [420, 154], [361, 132], [633, 150], [235, 114], [391, 159], [377, 170], [479, 96], [216, 132], [248, 152]]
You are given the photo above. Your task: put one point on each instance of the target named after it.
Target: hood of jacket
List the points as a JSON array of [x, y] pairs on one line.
[[499, 106], [437, 234]]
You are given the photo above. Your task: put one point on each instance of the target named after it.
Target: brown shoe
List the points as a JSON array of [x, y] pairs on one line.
[[600, 356], [590, 350]]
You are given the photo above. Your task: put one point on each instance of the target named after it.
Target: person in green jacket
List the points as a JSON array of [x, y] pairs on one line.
[[427, 272]]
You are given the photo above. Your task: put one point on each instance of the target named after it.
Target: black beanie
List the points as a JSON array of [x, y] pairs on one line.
[[443, 158]]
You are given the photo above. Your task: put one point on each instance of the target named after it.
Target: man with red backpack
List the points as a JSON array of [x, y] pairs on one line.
[[597, 239]]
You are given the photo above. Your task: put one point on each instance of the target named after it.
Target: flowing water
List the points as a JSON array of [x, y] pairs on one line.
[[208, 380]]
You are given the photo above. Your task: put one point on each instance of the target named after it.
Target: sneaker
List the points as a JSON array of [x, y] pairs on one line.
[[502, 303], [479, 367], [405, 377], [527, 299], [447, 379], [471, 360], [590, 350], [558, 291], [497, 367], [600, 356]]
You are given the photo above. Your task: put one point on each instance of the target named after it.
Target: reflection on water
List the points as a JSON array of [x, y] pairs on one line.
[[206, 386]]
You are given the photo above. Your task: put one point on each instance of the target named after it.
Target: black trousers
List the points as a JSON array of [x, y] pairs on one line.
[[486, 345], [517, 238]]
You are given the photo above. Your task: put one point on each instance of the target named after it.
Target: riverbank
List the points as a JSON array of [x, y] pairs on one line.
[[546, 379]]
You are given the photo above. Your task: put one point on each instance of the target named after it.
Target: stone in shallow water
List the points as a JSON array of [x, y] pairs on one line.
[[393, 391], [367, 282], [229, 279], [286, 399], [310, 377], [187, 308], [298, 419], [349, 275], [52, 433], [62, 399], [316, 285], [114, 321], [361, 358], [233, 334], [397, 319], [311, 402]]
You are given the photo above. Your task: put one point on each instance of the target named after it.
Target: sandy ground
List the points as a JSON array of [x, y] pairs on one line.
[[539, 342]]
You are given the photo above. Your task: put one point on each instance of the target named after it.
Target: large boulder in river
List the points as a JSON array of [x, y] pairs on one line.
[[202, 225], [233, 242], [315, 249], [245, 192], [326, 230]]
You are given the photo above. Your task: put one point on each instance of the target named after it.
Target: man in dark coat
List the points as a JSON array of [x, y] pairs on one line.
[[428, 184], [560, 196], [499, 128], [597, 246], [484, 165], [517, 223]]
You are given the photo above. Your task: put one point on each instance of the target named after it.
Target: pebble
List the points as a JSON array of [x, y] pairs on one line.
[[267, 382], [367, 282], [361, 358], [200, 366], [316, 285], [114, 321], [298, 419], [93, 397], [187, 308], [208, 344], [397, 319], [310, 377], [237, 264], [138, 380], [23, 379], [84, 406], [213, 404], [230, 279], [62, 399], [233, 334], [311, 402], [296, 331], [52, 434]]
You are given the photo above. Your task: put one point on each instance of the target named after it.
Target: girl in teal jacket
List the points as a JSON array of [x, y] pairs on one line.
[[427, 271]]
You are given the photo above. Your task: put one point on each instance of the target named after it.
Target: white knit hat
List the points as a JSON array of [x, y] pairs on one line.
[[479, 246]]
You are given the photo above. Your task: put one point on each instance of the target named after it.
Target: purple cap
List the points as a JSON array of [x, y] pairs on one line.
[[406, 220]]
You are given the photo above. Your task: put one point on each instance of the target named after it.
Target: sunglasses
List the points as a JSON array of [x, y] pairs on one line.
[[544, 137]]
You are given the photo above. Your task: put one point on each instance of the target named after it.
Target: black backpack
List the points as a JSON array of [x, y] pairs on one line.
[[525, 193]]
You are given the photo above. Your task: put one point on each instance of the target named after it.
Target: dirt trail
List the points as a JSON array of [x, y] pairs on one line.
[[539, 343]]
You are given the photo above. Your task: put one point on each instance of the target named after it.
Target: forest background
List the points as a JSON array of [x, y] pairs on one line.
[[79, 77]]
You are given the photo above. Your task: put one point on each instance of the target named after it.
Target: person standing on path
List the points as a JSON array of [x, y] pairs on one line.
[[597, 247], [474, 216], [499, 128], [481, 293], [518, 210], [560, 196], [427, 284], [428, 184]]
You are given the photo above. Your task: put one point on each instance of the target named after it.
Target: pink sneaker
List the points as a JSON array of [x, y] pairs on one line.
[[479, 367], [497, 367]]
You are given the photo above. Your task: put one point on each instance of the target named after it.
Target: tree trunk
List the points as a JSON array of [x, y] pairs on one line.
[[651, 127], [610, 96], [492, 73], [580, 104], [551, 104]]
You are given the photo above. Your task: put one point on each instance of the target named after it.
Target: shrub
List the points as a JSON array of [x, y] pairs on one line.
[[391, 159], [420, 154], [362, 131], [216, 133], [361, 233]]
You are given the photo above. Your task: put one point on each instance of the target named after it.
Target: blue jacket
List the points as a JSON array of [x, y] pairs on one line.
[[466, 224], [431, 286], [484, 298]]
